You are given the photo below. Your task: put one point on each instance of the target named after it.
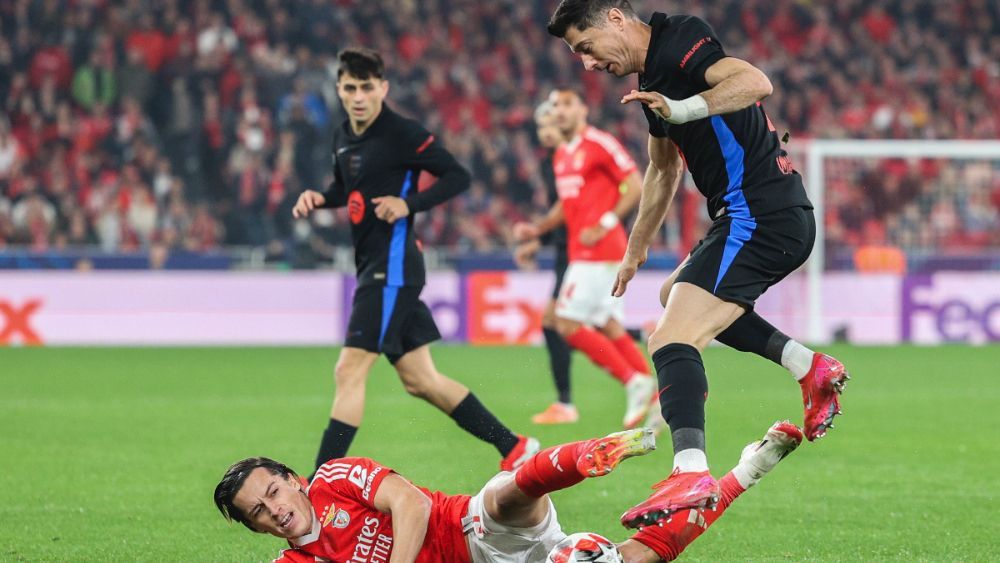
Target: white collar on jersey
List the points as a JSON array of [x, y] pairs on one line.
[[313, 534], [577, 139]]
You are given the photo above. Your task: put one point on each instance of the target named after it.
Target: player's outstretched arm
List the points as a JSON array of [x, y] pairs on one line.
[[658, 187], [410, 510], [734, 84]]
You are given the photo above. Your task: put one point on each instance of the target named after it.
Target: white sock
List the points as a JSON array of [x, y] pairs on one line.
[[797, 359], [745, 476], [691, 459]]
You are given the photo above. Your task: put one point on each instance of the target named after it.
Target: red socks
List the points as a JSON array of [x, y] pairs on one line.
[[630, 351], [685, 526], [551, 469], [603, 352]]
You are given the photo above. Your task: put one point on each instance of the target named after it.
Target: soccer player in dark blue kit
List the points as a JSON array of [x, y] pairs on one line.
[[705, 106], [378, 156]]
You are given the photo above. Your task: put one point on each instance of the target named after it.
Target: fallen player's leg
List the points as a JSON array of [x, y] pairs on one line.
[[665, 540], [513, 513]]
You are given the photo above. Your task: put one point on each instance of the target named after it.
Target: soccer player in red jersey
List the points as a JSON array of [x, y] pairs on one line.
[[357, 510], [598, 185]]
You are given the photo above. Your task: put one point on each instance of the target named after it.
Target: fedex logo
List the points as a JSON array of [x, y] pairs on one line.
[[506, 309], [951, 308], [15, 321]]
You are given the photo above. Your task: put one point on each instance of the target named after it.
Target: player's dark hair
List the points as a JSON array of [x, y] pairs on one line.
[[361, 63], [582, 14], [232, 481]]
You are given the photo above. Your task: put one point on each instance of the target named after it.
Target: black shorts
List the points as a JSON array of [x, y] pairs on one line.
[[560, 265], [390, 320], [739, 259]]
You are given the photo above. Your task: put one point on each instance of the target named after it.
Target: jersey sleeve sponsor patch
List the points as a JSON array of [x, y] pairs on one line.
[[356, 477]]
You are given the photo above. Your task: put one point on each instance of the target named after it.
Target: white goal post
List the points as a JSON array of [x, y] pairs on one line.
[[816, 153]]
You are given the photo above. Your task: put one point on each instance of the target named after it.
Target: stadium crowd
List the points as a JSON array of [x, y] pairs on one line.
[[192, 124]]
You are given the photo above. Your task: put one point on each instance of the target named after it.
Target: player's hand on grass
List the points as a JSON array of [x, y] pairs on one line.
[[591, 235], [653, 100], [390, 208], [524, 231], [524, 254], [626, 271], [308, 200]]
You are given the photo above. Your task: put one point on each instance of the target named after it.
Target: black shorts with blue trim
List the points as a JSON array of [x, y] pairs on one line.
[[740, 258], [390, 320]]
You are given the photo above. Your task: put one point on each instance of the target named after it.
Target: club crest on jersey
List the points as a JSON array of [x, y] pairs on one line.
[[356, 207], [336, 516], [578, 160], [328, 514], [341, 519]]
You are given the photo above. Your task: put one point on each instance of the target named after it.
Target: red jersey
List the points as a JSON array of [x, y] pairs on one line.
[[347, 528], [589, 172]]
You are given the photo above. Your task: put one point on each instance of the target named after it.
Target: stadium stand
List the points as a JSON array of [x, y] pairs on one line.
[[193, 125]]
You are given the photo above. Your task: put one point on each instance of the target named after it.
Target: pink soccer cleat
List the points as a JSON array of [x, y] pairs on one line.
[[680, 491], [826, 379]]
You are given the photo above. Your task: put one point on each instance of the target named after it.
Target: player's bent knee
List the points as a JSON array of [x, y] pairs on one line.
[[566, 327], [509, 506], [419, 385]]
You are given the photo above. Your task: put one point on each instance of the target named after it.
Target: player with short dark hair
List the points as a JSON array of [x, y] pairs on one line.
[[705, 105], [378, 156], [356, 509]]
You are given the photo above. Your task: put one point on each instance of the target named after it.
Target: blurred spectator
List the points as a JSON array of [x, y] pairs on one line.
[[94, 83]]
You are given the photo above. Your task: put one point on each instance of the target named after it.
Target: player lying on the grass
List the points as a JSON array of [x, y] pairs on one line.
[[358, 510]]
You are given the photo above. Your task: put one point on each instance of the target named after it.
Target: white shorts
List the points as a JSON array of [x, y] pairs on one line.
[[586, 297], [490, 542]]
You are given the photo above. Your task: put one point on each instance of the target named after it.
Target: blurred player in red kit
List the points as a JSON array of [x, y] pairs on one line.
[[598, 185]]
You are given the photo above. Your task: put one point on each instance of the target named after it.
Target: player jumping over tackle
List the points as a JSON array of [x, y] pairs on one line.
[[706, 106], [357, 510]]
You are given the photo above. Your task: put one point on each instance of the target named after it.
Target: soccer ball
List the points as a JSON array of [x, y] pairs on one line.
[[585, 547]]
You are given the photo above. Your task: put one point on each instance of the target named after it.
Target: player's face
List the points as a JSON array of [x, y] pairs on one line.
[[548, 132], [362, 99], [604, 47], [275, 504], [568, 111]]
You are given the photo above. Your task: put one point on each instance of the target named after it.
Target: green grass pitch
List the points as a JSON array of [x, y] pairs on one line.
[[112, 454]]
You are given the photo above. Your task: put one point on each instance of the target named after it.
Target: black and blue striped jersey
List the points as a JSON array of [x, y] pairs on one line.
[[736, 159], [386, 160]]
